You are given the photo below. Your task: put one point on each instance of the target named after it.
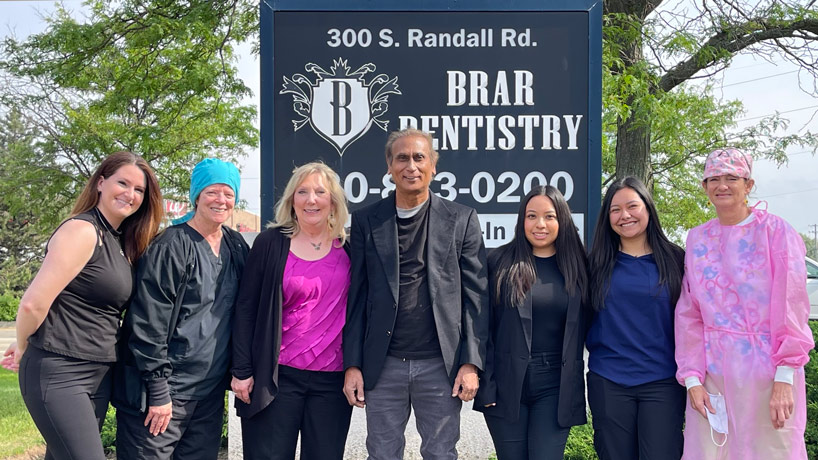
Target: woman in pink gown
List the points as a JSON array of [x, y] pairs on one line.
[[742, 337]]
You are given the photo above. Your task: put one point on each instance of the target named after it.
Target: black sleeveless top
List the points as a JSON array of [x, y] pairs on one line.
[[83, 321]]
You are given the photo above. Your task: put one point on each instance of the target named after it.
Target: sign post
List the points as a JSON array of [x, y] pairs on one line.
[[511, 94]]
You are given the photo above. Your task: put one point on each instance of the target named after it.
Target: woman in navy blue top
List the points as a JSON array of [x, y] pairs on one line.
[[636, 274]]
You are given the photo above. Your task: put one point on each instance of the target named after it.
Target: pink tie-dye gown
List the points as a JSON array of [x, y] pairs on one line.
[[742, 312]]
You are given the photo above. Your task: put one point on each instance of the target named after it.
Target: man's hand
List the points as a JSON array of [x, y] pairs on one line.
[[466, 382], [354, 387], [158, 418], [242, 388], [781, 404], [699, 400]]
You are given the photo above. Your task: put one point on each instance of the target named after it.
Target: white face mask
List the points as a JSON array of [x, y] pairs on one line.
[[718, 421]]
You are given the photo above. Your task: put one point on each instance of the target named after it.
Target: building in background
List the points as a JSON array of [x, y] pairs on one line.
[[241, 220]]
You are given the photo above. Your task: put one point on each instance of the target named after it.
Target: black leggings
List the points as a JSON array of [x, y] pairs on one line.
[[67, 398]]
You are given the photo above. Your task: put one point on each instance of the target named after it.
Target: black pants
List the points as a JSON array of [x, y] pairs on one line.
[[536, 434], [643, 422], [194, 432], [309, 402], [67, 399]]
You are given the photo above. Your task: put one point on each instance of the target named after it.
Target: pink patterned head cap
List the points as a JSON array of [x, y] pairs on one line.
[[726, 161]]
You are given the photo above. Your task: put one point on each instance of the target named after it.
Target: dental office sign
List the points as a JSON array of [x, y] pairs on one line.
[[511, 97]]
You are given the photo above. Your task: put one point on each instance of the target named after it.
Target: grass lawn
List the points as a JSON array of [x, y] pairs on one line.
[[17, 431]]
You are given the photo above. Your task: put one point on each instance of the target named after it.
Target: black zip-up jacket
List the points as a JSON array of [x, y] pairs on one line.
[[173, 359]]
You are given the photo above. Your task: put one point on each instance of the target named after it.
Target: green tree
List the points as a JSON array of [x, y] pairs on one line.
[[812, 249], [657, 124], [154, 77], [157, 78], [28, 205]]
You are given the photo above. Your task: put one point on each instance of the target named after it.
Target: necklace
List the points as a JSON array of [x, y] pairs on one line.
[[316, 246], [106, 224], [116, 233]]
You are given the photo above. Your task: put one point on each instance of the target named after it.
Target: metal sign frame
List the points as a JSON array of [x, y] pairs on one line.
[[270, 87]]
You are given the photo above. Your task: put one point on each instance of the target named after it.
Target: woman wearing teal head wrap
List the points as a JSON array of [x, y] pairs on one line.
[[179, 326], [208, 172]]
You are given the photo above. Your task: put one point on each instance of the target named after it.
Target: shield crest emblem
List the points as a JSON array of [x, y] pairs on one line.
[[341, 105], [340, 111]]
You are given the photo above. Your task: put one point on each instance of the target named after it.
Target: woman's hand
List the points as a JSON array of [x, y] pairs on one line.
[[699, 400], [242, 388], [781, 404], [12, 356], [158, 418]]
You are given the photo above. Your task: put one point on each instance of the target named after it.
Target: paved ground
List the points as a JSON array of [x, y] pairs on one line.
[[7, 335], [475, 441]]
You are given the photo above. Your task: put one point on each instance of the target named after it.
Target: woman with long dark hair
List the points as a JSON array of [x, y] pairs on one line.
[[68, 320], [636, 277], [533, 389]]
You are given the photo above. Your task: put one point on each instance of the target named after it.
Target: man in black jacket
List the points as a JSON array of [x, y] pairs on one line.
[[417, 316]]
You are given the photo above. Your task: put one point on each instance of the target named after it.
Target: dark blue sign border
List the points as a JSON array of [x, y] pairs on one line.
[[268, 86]]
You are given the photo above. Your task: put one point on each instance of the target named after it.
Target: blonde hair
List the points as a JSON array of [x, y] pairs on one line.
[[285, 218]]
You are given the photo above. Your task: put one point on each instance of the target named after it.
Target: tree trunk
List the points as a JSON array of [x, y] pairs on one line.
[[633, 134], [633, 151]]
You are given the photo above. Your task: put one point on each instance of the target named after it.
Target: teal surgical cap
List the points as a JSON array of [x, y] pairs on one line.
[[208, 172]]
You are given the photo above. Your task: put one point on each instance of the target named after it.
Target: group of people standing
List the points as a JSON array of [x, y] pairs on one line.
[[406, 313]]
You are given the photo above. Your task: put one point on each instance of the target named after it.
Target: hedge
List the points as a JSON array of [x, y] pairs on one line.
[[8, 306]]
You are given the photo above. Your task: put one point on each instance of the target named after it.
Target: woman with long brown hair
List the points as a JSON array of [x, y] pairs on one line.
[[68, 320]]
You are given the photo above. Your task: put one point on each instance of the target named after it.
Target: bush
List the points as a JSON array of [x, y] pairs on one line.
[[811, 374], [225, 436], [108, 432], [8, 306], [580, 445]]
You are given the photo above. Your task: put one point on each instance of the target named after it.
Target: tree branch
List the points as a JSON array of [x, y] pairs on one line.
[[733, 42], [638, 8]]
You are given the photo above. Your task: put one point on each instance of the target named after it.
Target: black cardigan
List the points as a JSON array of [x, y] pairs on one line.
[[508, 353], [257, 324]]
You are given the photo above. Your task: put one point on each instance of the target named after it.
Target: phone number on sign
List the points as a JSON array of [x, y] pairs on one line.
[[484, 187]]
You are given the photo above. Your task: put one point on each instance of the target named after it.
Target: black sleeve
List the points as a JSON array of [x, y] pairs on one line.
[[247, 304], [160, 271], [474, 295], [355, 326], [487, 392]]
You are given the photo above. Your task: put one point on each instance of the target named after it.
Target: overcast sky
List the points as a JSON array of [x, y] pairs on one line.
[[791, 190]]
